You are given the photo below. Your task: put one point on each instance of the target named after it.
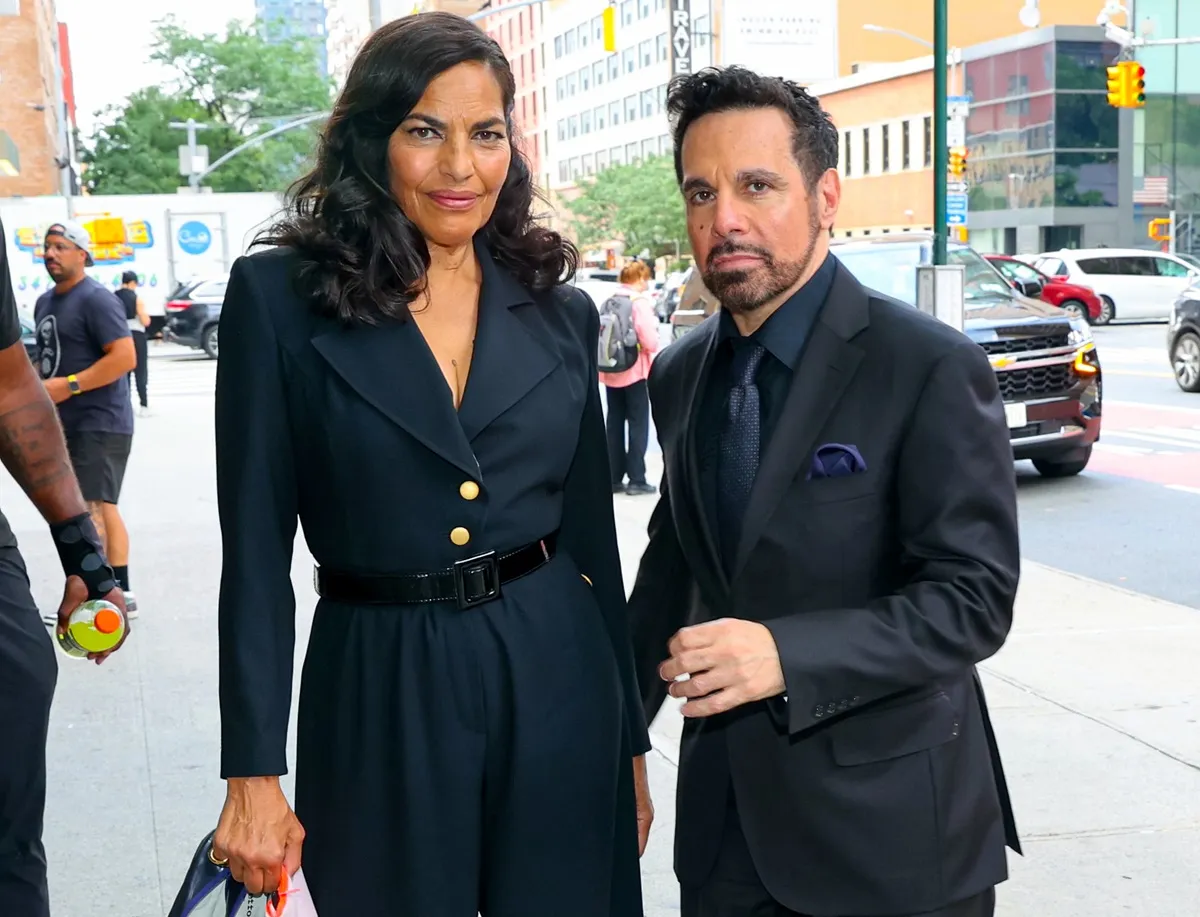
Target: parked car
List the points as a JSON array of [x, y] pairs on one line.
[[1045, 359], [194, 314], [29, 339], [1183, 339], [1077, 300], [1133, 284]]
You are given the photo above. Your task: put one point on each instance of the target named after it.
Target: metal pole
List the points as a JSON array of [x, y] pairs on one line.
[[1171, 238], [257, 139], [376, 15], [940, 152]]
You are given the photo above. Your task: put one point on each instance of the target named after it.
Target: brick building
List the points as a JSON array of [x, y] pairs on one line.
[[521, 34], [30, 106]]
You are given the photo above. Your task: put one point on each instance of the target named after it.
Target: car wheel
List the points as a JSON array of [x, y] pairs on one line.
[[1056, 468], [1185, 360], [1108, 311], [1075, 309], [208, 341]]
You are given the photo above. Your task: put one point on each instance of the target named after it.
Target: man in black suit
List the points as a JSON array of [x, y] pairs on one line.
[[834, 549]]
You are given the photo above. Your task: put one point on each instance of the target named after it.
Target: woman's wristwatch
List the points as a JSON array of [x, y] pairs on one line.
[[73, 384]]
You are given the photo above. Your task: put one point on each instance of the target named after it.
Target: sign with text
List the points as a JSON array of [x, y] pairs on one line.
[[680, 31], [788, 38]]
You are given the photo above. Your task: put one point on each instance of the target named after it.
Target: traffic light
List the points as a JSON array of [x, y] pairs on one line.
[[609, 18], [1135, 84], [1127, 84], [958, 161], [1116, 85]]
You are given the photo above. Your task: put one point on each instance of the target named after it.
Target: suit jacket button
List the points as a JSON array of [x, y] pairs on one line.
[[460, 536], [468, 490]]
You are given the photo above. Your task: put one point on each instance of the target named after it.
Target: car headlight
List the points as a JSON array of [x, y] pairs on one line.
[[1081, 333]]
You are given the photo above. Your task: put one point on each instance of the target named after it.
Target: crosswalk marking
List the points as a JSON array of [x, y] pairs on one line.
[[183, 376]]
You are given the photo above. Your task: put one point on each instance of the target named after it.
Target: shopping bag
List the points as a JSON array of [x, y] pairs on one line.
[[209, 890]]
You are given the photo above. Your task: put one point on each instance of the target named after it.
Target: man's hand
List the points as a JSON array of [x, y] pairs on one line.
[[729, 662], [57, 389], [75, 593], [645, 808]]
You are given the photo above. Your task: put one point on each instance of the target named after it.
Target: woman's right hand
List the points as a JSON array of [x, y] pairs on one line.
[[258, 833]]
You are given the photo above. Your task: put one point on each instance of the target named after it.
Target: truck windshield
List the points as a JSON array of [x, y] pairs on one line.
[[892, 269]]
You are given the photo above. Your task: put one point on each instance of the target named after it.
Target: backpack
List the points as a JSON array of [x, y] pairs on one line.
[[618, 337]]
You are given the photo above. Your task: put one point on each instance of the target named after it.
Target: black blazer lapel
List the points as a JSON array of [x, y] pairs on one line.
[[513, 352], [826, 367], [392, 368], [696, 535]]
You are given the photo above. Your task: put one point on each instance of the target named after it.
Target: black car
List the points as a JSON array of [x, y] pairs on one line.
[[29, 339], [194, 312], [1045, 359], [1183, 339]]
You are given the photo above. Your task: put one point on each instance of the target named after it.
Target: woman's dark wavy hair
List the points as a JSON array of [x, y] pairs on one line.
[[361, 259]]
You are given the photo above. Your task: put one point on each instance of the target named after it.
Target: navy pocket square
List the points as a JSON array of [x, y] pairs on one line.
[[836, 460]]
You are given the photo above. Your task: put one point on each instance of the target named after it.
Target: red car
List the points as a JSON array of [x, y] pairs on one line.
[[1080, 301]]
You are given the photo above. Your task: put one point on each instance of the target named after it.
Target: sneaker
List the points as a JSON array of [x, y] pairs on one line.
[[144, 412], [131, 607], [618, 488], [50, 619], [642, 489]]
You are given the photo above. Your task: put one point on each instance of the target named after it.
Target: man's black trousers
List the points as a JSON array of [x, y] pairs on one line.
[[28, 673]]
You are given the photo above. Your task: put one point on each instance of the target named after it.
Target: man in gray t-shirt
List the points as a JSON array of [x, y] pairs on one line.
[[85, 354]]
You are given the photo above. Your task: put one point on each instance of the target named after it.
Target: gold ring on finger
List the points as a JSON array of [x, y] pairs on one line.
[[212, 858]]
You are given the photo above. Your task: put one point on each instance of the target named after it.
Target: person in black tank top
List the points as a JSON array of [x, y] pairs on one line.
[[138, 320]]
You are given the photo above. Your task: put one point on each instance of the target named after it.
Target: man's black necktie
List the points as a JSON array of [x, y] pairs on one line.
[[740, 443]]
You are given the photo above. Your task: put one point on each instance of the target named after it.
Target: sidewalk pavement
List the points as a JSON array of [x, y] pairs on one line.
[[1094, 698]]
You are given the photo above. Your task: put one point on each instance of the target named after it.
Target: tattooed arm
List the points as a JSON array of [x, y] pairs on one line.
[[31, 440]]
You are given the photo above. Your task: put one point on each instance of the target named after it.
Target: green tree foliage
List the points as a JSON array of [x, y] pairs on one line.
[[240, 85], [638, 204]]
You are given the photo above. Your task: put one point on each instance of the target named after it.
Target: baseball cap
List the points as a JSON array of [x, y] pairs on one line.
[[75, 234]]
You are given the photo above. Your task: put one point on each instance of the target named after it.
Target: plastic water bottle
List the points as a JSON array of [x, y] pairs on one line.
[[94, 627]]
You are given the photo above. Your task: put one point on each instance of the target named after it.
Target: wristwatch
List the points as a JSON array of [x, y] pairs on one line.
[[73, 384]]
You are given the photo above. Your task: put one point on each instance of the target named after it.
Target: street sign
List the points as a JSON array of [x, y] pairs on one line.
[[956, 187], [956, 132], [956, 210]]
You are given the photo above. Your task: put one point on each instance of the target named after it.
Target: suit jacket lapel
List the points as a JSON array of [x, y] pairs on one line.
[[691, 521], [392, 368], [826, 368], [512, 349]]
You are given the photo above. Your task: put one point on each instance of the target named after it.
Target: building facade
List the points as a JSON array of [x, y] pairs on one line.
[[1161, 154], [520, 33], [34, 152], [286, 20], [610, 108], [1050, 164]]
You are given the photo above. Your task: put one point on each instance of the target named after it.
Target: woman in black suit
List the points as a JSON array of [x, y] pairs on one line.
[[407, 375]]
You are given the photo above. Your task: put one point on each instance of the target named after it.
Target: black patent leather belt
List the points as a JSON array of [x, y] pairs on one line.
[[470, 582]]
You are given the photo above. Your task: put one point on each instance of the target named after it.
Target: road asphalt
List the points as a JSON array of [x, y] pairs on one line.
[[1095, 701]]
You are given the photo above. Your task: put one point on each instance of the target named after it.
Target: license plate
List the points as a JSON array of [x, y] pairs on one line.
[[1015, 414]]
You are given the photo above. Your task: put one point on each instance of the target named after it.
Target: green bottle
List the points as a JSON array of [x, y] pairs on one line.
[[94, 627]]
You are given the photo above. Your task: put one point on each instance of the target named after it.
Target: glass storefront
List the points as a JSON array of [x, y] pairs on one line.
[[1040, 131]]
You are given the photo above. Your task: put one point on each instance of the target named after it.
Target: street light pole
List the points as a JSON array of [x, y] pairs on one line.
[[940, 150]]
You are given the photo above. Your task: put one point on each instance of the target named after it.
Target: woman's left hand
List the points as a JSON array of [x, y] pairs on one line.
[[645, 808]]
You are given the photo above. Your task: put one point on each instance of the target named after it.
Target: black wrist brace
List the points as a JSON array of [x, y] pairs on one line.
[[82, 554]]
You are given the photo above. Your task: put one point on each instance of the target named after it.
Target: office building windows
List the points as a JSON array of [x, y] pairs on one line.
[[646, 53], [928, 141], [627, 12], [598, 73], [846, 168], [600, 116], [631, 108], [614, 113], [649, 147], [632, 153], [884, 147], [614, 66], [866, 138], [585, 79], [602, 160], [589, 164], [585, 123], [572, 127], [660, 48], [643, 9], [629, 60], [648, 103], [906, 145]]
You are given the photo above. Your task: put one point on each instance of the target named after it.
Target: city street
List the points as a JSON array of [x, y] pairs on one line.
[[1095, 696]]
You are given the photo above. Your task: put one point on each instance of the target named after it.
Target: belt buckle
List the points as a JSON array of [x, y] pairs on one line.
[[476, 580]]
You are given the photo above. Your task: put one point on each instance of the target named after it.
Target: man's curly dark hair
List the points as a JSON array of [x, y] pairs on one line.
[[361, 259], [717, 89]]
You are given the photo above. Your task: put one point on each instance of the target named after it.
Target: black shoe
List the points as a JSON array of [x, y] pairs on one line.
[[636, 490], [618, 488]]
